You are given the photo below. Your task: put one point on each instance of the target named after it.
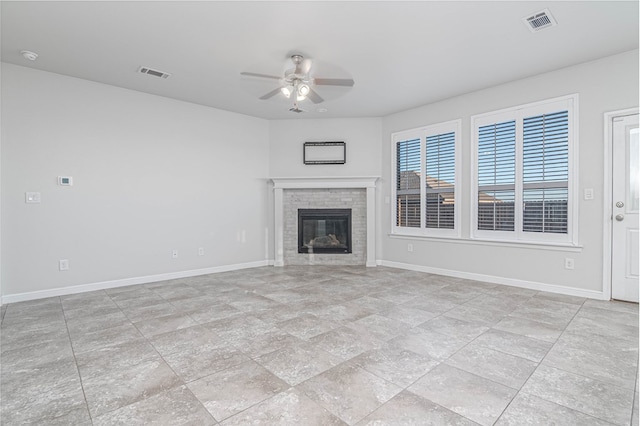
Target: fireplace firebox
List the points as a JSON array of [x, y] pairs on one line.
[[324, 230]]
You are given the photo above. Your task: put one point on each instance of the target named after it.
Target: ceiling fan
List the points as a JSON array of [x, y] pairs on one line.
[[297, 83]]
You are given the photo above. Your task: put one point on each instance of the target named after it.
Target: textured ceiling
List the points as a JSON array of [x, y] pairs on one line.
[[400, 54]]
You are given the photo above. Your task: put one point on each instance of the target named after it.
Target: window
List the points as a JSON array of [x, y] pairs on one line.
[[496, 176], [545, 172], [408, 183], [425, 168], [440, 181], [522, 187]]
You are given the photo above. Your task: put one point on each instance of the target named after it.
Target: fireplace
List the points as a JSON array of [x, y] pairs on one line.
[[324, 230], [326, 192]]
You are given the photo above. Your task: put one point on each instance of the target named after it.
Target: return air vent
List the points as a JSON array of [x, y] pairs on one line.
[[155, 73], [539, 21]]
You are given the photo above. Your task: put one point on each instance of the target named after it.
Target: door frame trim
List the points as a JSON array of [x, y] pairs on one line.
[[607, 196]]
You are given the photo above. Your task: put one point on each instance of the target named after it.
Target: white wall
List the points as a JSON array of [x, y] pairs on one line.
[[153, 174], [604, 85], [150, 174], [362, 137]]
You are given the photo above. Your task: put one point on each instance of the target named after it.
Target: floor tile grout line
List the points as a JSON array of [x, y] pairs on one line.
[[521, 392], [342, 299], [320, 405], [473, 340], [539, 363], [635, 396], [569, 372], [75, 360], [440, 362], [517, 390], [163, 360], [128, 319], [348, 360], [145, 338]]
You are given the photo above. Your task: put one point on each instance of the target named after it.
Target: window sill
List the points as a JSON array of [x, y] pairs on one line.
[[536, 245]]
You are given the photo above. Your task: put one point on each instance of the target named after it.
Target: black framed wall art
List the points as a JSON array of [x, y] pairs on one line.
[[324, 153]]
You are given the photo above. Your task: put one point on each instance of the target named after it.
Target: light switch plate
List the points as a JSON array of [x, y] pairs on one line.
[[32, 197]]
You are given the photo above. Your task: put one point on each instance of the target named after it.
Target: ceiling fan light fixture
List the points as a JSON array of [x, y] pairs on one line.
[[303, 90], [286, 91], [297, 81]]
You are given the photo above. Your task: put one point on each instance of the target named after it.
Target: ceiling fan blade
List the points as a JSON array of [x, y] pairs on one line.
[[255, 74], [314, 97], [333, 81], [270, 94]]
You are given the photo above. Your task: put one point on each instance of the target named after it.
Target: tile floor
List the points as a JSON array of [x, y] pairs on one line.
[[319, 346]]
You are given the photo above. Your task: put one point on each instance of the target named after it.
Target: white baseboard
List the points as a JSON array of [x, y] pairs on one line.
[[83, 288], [532, 285]]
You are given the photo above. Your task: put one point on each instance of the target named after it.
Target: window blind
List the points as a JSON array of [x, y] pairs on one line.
[[496, 176], [440, 181], [545, 173], [408, 183]]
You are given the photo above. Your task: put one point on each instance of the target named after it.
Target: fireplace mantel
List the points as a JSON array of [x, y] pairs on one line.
[[329, 182], [324, 182]]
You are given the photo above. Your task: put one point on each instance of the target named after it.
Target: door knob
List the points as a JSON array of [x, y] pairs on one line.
[[620, 204], [619, 217]]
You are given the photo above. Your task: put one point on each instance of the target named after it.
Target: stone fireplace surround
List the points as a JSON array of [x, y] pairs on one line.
[[332, 198], [345, 188]]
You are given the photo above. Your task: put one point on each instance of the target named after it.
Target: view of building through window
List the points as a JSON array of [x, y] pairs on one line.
[[432, 155], [521, 177], [440, 178], [545, 174], [408, 183]]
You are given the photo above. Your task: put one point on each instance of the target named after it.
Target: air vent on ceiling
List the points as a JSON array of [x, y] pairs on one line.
[[539, 21], [155, 73]]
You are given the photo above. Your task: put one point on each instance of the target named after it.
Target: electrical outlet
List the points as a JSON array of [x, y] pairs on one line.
[[174, 254], [63, 264], [588, 193], [409, 247], [569, 263], [201, 251]]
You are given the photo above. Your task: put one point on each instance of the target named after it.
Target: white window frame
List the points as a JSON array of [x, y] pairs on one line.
[[518, 113], [422, 133]]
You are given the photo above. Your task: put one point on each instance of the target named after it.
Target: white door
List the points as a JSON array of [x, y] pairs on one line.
[[625, 260]]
